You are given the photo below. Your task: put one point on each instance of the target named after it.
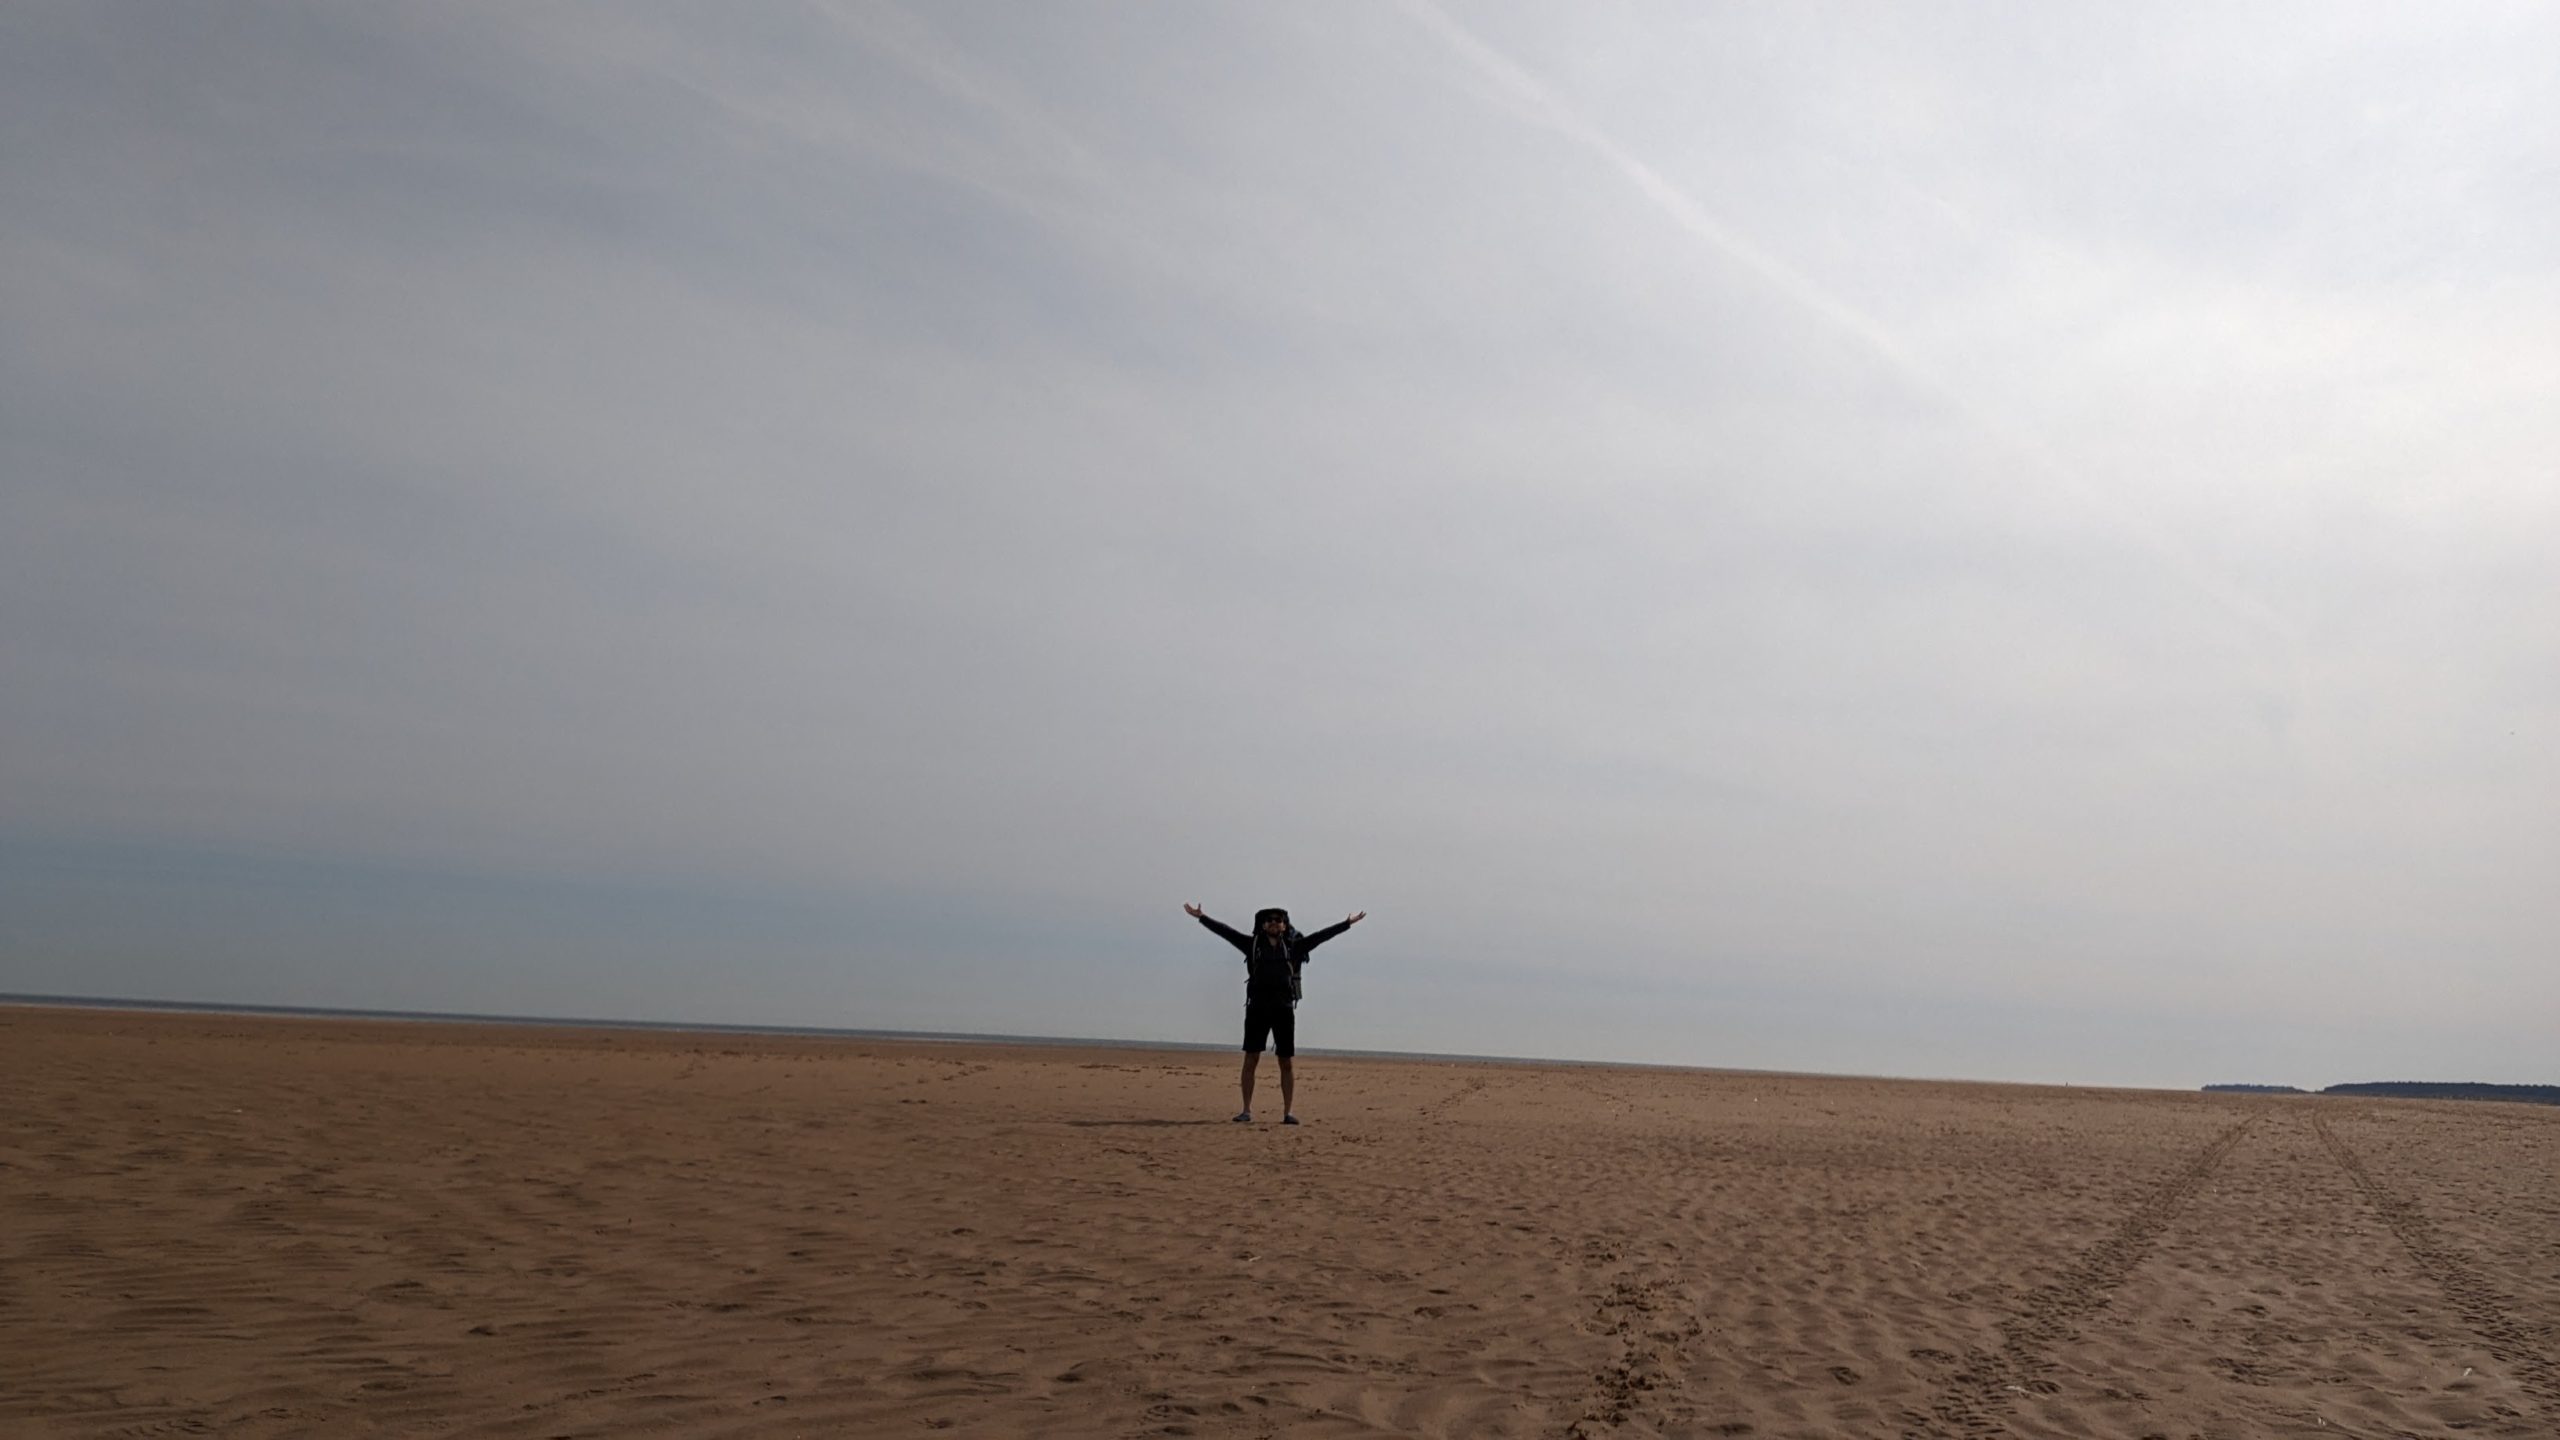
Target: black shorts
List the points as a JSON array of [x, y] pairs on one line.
[[1274, 1019]]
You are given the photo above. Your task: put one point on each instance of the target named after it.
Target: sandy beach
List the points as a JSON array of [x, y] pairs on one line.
[[277, 1227]]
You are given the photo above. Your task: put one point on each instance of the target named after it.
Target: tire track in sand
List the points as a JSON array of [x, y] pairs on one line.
[[1439, 1109], [1975, 1397], [2518, 1346]]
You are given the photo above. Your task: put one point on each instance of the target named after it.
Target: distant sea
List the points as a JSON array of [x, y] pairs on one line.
[[581, 1022]]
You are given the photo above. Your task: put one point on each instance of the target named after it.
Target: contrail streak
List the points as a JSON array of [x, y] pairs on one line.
[[1700, 223]]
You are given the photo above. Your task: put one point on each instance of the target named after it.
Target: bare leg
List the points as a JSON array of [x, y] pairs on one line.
[[1246, 1082], [1288, 1087]]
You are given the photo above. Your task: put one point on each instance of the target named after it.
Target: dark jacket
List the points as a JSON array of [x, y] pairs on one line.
[[1270, 970]]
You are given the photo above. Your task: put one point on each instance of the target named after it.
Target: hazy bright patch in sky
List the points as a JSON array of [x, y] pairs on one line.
[[2012, 542]]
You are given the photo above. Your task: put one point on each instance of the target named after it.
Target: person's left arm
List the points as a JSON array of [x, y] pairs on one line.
[[1336, 928]]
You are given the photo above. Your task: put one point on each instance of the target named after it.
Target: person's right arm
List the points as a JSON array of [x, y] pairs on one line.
[[1224, 931]]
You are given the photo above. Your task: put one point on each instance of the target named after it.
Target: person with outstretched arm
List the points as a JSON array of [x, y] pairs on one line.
[[1272, 955]]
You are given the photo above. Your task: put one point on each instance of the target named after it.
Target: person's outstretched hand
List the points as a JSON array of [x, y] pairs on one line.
[[1357, 917], [1191, 910]]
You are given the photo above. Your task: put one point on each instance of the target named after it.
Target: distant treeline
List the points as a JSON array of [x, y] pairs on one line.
[[2414, 1090], [2450, 1090]]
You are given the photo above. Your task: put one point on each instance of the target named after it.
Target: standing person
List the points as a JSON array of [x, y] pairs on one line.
[[1272, 955]]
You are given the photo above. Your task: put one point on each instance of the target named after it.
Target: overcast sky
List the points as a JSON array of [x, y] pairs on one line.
[[2018, 542]]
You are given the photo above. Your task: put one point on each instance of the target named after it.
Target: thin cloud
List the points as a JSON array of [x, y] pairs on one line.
[[1693, 217]]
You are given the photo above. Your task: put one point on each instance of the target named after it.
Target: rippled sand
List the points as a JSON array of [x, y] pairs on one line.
[[268, 1227]]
